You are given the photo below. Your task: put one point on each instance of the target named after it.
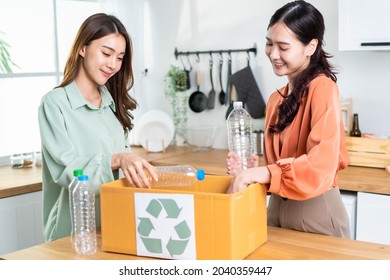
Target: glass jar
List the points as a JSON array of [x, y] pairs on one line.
[[38, 159], [22, 160], [16, 161], [28, 159]]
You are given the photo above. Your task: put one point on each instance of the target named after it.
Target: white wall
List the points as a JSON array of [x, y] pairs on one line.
[[192, 25]]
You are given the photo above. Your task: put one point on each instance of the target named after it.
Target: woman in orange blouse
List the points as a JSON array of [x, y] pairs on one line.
[[304, 145]]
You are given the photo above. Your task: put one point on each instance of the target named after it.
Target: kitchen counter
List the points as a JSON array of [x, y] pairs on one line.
[[353, 178], [358, 179], [282, 244], [15, 181]]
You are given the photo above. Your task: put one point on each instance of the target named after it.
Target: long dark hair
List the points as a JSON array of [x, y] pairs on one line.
[[307, 23], [93, 28]]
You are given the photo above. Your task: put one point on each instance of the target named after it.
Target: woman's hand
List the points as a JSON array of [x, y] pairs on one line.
[[233, 163], [249, 176], [133, 168]]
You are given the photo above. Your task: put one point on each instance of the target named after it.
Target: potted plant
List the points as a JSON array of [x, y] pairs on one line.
[[176, 93], [6, 62]]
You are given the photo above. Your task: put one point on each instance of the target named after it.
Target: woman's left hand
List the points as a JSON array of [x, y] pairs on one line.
[[249, 176], [233, 163]]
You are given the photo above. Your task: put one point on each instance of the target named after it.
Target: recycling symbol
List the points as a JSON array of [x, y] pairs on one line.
[[165, 212]]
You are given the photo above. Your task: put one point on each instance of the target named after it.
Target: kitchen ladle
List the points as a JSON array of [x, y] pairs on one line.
[[222, 94]]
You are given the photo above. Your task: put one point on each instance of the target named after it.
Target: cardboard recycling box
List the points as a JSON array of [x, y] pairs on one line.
[[196, 222]]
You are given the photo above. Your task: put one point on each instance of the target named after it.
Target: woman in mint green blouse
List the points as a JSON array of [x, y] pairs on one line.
[[85, 121]]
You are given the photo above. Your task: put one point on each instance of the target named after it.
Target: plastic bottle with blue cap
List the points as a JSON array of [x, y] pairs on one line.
[[177, 175]]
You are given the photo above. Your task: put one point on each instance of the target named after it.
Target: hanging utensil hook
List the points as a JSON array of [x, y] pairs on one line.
[[182, 62], [189, 62], [197, 57], [248, 57]]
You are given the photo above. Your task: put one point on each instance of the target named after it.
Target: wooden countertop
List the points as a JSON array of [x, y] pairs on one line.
[[20, 181], [282, 244], [16, 181], [353, 178]]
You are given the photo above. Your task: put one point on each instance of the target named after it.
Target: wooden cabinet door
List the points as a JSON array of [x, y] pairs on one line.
[[373, 218]]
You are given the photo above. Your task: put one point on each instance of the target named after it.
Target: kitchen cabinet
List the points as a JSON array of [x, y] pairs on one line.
[[20, 222], [350, 202], [373, 218], [364, 25]]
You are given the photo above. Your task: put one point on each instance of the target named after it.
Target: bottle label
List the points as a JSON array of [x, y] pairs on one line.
[[165, 225]]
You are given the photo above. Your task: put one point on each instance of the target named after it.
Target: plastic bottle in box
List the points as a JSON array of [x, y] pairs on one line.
[[177, 175]]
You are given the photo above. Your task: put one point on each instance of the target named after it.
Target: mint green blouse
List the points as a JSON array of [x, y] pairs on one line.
[[75, 135]]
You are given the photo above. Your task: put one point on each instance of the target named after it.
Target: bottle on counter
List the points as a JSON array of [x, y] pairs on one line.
[[85, 242], [72, 185], [239, 131], [177, 175], [355, 132]]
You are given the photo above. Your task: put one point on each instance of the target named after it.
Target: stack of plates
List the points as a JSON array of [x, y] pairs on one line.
[[155, 130]]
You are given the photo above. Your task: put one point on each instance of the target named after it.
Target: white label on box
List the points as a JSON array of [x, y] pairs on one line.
[[165, 225]]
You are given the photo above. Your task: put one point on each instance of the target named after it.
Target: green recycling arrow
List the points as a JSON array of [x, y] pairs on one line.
[[183, 230], [154, 208], [176, 247], [153, 245], [145, 226], [171, 208]]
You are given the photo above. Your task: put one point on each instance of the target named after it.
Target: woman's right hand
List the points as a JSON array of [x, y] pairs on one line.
[[133, 168]]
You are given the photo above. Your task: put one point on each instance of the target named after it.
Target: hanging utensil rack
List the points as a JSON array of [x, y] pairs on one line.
[[197, 53]]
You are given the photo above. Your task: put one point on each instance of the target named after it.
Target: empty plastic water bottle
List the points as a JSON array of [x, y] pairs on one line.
[[177, 175], [72, 185], [85, 242], [239, 131]]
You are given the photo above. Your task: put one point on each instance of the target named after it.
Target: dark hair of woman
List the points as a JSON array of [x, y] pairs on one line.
[[307, 23], [93, 28]]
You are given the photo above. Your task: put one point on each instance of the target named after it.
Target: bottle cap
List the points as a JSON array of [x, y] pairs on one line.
[[200, 174], [83, 178], [237, 104], [77, 172]]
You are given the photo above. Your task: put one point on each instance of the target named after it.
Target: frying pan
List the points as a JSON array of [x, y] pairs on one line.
[[222, 94], [198, 100]]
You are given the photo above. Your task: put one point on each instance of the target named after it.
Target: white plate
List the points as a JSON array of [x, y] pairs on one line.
[[155, 130]]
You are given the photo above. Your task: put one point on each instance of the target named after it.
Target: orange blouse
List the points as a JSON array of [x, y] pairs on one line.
[[304, 159]]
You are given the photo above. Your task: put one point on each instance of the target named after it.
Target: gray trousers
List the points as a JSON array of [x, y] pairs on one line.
[[325, 214]]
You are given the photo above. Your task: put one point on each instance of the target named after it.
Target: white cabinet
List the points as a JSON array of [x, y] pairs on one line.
[[350, 202], [373, 218], [20, 222], [364, 25]]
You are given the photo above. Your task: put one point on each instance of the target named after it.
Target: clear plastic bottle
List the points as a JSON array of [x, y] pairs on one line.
[[177, 175], [239, 131], [84, 218], [72, 185]]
